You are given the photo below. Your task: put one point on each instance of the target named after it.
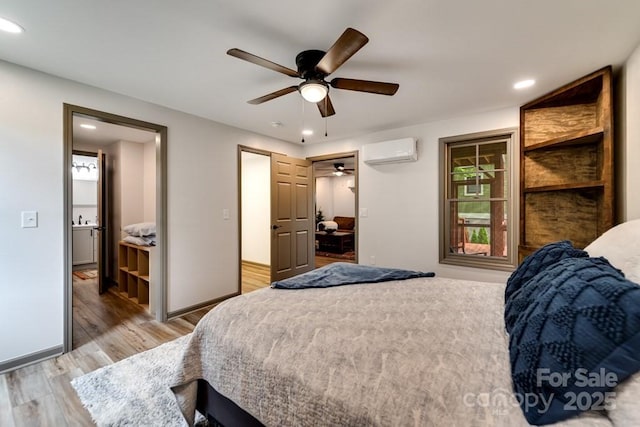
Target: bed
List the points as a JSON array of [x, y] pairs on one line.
[[418, 352]]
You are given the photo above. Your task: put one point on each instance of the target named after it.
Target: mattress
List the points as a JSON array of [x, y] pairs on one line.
[[419, 352]]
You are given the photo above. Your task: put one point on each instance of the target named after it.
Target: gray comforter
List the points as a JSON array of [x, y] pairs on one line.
[[420, 352]]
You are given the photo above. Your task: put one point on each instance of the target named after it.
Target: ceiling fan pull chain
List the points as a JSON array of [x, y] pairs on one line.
[[325, 116], [302, 130]]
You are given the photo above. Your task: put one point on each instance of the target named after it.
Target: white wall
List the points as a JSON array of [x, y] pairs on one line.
[[202, 247], [628, 159], [344, 199], [149, 182], [130, 167], [324, 197], [334, 197], [256, 208], [401, 229]]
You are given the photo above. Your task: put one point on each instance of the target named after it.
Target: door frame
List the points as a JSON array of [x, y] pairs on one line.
[[356, 178], [69, 111]]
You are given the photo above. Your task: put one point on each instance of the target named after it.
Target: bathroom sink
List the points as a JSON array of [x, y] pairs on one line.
[[85, 225]]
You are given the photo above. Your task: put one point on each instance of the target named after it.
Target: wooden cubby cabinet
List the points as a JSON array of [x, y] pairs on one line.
[[566, 164], [133, 272]]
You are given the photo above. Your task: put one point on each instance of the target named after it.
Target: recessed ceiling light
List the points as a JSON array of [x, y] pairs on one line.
[[307, 132], [10, 27], [524, 84], [276, 124], [86, 126]]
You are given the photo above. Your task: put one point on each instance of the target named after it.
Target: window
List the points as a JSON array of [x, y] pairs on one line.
[[471, 189], [477, 215]]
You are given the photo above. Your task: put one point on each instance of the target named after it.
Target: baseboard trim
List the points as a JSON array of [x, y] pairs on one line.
[[189, 309], [257, 264], [29, 359]]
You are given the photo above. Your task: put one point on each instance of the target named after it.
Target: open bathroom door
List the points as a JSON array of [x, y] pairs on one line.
[[101, 229], [292, 218]]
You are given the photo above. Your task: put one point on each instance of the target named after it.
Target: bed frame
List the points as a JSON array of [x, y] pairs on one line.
[[222, 411]]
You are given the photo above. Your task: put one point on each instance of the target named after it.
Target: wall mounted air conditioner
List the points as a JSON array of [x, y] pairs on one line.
[[396, 151]]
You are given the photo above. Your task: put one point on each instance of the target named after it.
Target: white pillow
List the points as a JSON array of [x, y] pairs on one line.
[[329, 225], [141, 229], [626, 411], [621, 246]]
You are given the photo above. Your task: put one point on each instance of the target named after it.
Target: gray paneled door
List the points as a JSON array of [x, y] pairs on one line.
[[292, 217]]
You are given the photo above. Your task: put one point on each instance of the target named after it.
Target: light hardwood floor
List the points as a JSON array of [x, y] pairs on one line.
[[255, 276], [107, 328]]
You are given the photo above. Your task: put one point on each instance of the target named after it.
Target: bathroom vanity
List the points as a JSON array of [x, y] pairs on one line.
[[85, 244]]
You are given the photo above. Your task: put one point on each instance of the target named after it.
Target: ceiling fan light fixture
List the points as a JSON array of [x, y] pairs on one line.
[[10, 26], [313, 90]]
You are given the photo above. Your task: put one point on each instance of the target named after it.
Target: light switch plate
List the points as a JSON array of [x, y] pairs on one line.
[[29, 219], [225, 214], [364, 212]]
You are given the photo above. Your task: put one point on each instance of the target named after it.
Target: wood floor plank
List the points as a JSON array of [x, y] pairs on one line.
[[255, 276], [6, 412], [42, 412], [27, 384], [74, 413], [91, 362]]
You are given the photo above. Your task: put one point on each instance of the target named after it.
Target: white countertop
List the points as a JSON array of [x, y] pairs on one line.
[[81, 226]]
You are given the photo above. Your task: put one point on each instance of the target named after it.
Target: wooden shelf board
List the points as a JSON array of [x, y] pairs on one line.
[[124, 268], [145, 278], [565, 187], [134, 273], [589, 136]]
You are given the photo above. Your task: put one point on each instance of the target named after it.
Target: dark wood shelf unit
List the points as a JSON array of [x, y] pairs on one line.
[[566, 164], [591, 136], [561, 187]]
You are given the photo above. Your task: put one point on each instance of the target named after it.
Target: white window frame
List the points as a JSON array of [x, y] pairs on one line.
[[447, 256]]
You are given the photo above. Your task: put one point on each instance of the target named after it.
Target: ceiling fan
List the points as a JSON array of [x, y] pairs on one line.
[[314, 66], [338, 169]]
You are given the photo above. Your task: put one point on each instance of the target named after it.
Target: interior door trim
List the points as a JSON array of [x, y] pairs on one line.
[[356, 178], [69, 111]]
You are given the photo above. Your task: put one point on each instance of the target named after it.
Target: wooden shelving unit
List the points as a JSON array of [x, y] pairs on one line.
[[566, 164], [133, 274]]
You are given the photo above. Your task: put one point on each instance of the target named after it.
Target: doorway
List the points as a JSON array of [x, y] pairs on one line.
[[336, 204], [255, 220], [84, 219], [91, 132], [275, 205], [335, 193]]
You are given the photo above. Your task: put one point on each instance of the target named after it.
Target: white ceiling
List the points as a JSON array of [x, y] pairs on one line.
[[107, 133], [450, 57]]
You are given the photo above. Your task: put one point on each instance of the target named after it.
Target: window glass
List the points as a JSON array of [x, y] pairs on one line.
[[476, 205]]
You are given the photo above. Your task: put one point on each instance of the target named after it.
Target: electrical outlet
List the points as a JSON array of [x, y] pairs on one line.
[[225, 214], [372, 260]]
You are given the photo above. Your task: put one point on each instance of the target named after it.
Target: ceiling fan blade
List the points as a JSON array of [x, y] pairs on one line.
[[381, 88], [347, 44], [326, 110], [246, 56], [273, 95]]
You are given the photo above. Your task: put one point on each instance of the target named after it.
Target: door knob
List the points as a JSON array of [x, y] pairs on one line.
[[275, 227]]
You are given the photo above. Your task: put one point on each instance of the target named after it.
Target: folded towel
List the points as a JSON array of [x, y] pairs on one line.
[[141, 229], [141, 241]]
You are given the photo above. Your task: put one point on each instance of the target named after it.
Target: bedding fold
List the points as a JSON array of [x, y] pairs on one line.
[[345, 273]]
